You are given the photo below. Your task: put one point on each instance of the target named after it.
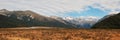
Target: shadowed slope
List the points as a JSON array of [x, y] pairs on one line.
[[112, 22], [27, 18]]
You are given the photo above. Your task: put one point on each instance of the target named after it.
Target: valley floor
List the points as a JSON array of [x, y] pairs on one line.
[[59, 34]]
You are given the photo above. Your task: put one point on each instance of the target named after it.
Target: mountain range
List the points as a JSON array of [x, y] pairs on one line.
[[12, 19], [81, 22]]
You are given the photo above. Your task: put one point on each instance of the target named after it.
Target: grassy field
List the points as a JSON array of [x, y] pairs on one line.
[[59, 34]]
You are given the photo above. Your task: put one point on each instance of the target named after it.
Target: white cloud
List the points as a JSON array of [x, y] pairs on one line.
[[107, 4], [53, 7], [89, 17], [114, 12]]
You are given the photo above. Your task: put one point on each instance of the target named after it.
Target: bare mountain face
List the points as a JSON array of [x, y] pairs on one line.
[[10, 19], [109, 22], [87, 22]]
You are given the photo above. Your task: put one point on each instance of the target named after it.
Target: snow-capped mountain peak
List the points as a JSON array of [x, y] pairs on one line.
[[80, 22], [68, 18]]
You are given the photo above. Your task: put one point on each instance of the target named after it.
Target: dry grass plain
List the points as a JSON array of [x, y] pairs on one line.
[[59, 34]]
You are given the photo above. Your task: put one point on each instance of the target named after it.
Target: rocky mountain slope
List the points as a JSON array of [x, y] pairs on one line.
[[109, 22], [81, 22], [28, 18]]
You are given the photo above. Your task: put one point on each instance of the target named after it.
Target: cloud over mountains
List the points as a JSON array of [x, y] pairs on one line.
[[55, 7]]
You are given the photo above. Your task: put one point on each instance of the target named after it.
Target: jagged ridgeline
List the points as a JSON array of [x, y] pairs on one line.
[[10, 19], [111, 22]]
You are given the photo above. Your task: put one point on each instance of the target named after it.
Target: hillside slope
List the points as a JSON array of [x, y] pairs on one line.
[[112, 22], [9, 19]]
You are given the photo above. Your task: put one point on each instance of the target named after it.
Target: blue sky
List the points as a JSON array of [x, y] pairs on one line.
[[91, 12], [63, 8]]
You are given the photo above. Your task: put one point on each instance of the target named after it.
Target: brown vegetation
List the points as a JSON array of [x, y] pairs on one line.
[[59, 34]]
